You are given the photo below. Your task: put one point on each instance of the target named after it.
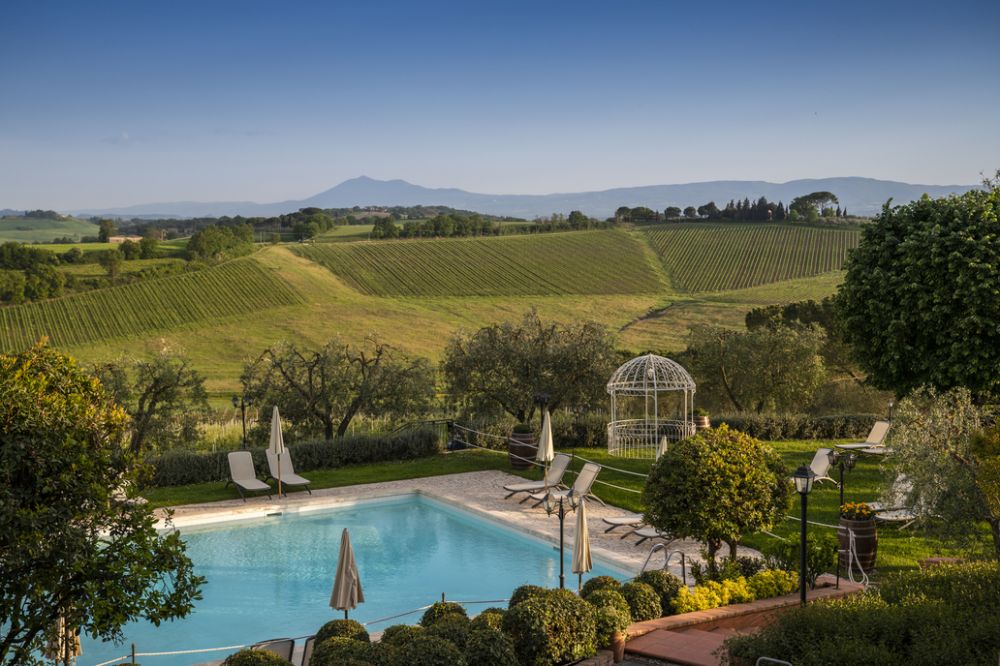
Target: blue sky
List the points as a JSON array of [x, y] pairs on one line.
[[116, 103]]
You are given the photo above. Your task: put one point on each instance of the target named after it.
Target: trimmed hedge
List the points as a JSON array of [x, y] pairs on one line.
[[430, 651], [643, 601], [553, 628], [440, 609], [600, 583], [489, 647], [452, 627], [250, 657], [799, 426], [665, 584], [344, 628], [338, 650], [491, 618], [178, 468]]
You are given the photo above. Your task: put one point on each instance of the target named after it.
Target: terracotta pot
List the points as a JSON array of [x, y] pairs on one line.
[[865, 542], [521, 445], [618, 646], [702, 422]]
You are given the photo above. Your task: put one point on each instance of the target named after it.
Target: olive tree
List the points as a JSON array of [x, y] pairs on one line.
[[505, 366], [952, 463], [921, 299], [69, 545], [716, 487]]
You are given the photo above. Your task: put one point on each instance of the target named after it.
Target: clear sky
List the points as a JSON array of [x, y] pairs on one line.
[[116, 103]]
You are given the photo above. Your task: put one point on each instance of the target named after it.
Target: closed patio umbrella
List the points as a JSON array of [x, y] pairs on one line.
[[63, 644], [545, 452], [277, 446], [347, 592], [581, 544]]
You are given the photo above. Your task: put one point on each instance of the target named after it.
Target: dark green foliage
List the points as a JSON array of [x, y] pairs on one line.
[[664, 583], [821, 555], [337, 650], [599, 583], [525, 592], [921, 297], [643, 601], [610, 620], [716, 487], [218, 242], [491, 618], [725, 568], [453, 627], [429, 651], [344, 628], [552, 628], [489, 647], [177, 468], [398, 634], [440, 609], [255, 658], [946, 615], [608, 597], [774, 427]]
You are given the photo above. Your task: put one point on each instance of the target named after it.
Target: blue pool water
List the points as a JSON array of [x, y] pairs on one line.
[[272, 577]]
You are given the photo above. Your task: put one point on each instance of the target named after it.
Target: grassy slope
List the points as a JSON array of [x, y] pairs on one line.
[[897, 548], [31, 230]]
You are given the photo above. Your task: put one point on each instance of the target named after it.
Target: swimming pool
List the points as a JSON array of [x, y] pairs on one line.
[[271, 577]]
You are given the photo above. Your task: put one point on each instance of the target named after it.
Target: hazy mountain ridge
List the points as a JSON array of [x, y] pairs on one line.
[[861, 196]]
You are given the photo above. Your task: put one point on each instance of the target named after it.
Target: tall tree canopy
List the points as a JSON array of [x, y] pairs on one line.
[[921, 299], [505, 366], [69, 546]]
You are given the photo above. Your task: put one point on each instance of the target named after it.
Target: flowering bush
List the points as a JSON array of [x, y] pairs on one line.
[[856, 511], [772, 583]]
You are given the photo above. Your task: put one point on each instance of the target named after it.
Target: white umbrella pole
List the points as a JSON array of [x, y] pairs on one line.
[[279, 476]]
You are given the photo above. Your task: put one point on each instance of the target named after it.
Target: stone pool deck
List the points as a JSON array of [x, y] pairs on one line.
[[480, 493]]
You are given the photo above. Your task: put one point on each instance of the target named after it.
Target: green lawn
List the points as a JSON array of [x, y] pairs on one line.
[[897, 548]]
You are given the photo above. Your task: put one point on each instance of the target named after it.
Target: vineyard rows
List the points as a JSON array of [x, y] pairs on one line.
[[594, 262], [715, 257], [236, 287]]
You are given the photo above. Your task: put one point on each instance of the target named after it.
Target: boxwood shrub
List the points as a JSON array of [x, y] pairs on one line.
[[255, 658], [452, 627], [178, 468], [599, 583], [489, 647], [525, 592], [398, 634], [552, 628], [438, 610], [665, 584], [426, 650], [491, 618], [338, 650], [643, 601], [607, 597], [344, 628], [799, 426]]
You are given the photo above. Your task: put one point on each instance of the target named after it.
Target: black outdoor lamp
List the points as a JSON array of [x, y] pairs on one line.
[[843, 461], [241, 403], [803, 478], [560, 510]]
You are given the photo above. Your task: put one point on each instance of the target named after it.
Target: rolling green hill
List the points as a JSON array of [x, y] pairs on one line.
[[43, 230], [237, 287], [596, 262], [703, 257]]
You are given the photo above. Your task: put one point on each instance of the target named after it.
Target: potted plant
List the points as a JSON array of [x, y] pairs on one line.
[[701, 419], [521, 446], [612, 623], [858, 518]]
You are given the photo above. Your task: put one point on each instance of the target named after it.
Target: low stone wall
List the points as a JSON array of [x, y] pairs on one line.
[[742, 617]]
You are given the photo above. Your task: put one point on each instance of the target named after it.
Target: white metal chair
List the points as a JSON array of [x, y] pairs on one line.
[[820, 466]]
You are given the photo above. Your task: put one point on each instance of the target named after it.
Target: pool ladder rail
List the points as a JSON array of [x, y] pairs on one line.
[[669, 554]]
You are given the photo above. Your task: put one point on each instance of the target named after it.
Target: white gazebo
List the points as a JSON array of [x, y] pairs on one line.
[[660, 391]]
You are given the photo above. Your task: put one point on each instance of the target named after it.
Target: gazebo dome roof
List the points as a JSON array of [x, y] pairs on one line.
[[649, 374]]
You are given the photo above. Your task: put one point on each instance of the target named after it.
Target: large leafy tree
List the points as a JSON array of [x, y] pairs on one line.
[[324, 389], [765, 368], [164, 396], [505, 366], [69, 546], [716, 487], [921, 299]]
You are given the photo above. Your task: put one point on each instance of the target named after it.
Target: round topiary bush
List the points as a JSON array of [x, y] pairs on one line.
[[384, 654], [429, 651], [610, 620], [552, 628], [489, 647], [643, 601], [439, 610], [491, 618], [344, 629], [611, 598], [599, 583], [453, 627], [524, 593], [664, 584], [338, 650], [255, 658], [398, 634]]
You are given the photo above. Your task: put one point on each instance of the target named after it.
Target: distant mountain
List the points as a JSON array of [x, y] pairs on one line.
[[861, 196]]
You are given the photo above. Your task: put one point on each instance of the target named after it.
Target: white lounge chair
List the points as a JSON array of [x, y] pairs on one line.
[[307, 651], [283, 647], [899, 507], [874, 443], [632, 520], [646, 533], [553, 479], [243, 476], [581, 487], [820, 466], [288, 475]]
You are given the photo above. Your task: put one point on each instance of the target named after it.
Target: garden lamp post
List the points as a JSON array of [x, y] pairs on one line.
[[551, 506], [803, 478], [891, 403], [240, 402], [843, 462]]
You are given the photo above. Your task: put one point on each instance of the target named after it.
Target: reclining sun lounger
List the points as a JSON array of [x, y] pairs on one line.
[[581, 487], [552, 480], [283, 647], [646, 533], [820, 466], [899, 507], [243, 476], [288, 475], [633, 520]]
